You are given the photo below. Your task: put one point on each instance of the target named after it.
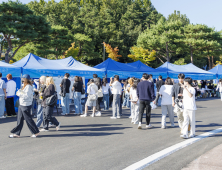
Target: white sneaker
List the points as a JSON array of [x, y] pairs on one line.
[[184, 136], [139, 126], [43, 130], [98, 114], [113, 118], [118, 117], [83, 115], [93, 115], [149, 126], [191, 136], [163, 127], [58, 127], [3, 117]]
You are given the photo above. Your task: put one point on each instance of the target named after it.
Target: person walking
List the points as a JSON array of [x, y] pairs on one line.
[[3, 97], [41, 89], [77, 88], [65, 98], [134, 103], [10, 91], [166, 103], [92, 98], [177, 94], [48, 110], [145, 93], [117, 91], [24, 111], [159, 83], [105, 90], [219, 88], [189, 108]]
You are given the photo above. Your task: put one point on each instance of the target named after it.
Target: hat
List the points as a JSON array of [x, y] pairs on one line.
[[26, 76]]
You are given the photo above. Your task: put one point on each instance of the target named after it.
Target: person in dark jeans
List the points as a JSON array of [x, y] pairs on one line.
[[48, 110], [145, 93]]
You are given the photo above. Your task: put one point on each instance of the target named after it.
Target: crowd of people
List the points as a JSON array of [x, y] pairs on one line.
[[138, 95]]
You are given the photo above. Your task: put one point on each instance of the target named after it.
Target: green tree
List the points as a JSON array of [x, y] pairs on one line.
[[18, 23], [176, 16]]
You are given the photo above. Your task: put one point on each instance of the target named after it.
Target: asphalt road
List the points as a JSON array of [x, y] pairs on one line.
[[101, 143]]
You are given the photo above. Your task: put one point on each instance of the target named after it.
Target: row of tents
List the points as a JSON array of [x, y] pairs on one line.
[[36, 66]]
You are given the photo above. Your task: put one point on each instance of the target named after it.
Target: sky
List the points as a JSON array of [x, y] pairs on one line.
[[206, 12]]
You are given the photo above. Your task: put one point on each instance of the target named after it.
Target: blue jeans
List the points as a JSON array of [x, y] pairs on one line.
[[126, 101], [2, 105], [39, 116], [34, 103], [77, 102], [65, 104], [106, 101]]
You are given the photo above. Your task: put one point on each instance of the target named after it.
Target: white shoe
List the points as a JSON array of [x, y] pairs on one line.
[[113, 118], [58, 127], [149, 126], [163, 127], [3, 117], [43, 130], [139, 126], [98, 114], [83, 115], [33, 136], [93, 115], [118, 117], [184, 136], [191, 136]]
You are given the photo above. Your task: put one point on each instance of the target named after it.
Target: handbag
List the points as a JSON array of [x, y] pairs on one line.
[[92, 97], [52, 100], [17, 103], [83, 91], [100, 93]]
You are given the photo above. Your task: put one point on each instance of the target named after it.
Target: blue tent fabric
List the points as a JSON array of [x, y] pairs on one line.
[[217, 70], [36, 66], [6, 68], [140, 67], [189, 70], [135, 69]]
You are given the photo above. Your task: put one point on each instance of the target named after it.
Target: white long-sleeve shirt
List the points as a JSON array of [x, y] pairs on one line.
[[219, 86], [10, 88], [25, 96], [116, 88]]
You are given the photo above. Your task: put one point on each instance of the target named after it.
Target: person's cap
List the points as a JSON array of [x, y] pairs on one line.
[[26, 76]]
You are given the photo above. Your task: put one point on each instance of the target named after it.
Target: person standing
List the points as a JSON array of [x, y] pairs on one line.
[[24, 111], [3, 97], [177, 93], [65, 98], [166, 103], [48, 110], [10, 91], [219, 88], [126, 102], [77, 87], [134, 103], [92, 98], [189, 108], [41, 89], [105, 90], [145, 93], [117, 91], [159, 83]]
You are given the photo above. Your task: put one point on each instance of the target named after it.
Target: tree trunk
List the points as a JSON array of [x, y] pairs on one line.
[[167, 53], [209, 61], [213, 61], [191, 54], [56, 53]]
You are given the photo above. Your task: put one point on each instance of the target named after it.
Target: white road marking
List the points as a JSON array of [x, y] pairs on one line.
[[168, 151]]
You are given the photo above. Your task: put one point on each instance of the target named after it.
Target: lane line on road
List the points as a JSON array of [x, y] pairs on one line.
[[168, 151]]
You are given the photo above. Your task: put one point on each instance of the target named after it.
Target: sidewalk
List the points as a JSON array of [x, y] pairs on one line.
[[208, 161]]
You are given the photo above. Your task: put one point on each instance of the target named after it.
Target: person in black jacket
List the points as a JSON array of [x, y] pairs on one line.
[[145, 93], [177, 93], [77, 88], [159, 83], [48, 110]]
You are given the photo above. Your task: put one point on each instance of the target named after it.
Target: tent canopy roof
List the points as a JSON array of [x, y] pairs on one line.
[[217, 70], [142, 67], [6, 68]]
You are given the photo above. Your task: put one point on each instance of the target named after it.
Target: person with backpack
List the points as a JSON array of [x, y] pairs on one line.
[[65, 97], [24, 111], [48, 106]]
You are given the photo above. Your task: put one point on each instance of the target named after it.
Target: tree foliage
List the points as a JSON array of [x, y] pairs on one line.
[[113, 52]]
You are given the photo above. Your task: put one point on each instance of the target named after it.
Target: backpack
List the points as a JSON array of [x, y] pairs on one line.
[[52, 100]]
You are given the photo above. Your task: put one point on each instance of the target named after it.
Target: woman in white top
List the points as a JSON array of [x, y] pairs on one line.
[[134, 103], [219, 87], [24, 111], [126, 102], [92, 97], [105, 89], [166, 103], [189, 108]]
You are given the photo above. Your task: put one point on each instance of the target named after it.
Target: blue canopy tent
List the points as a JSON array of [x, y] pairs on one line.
[[15, 71], [143, 68], [189, 70], [124, 71], [36, 66], [217, 70]]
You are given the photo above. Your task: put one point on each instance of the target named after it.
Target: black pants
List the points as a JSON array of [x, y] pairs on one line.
[[24, 113], [143, 105], [99, 100], [10, 108], [47, 117]]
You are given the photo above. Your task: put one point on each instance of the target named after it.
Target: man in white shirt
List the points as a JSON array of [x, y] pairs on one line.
[[2, 97], [10, 90], [117, 91], [189, 108]]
